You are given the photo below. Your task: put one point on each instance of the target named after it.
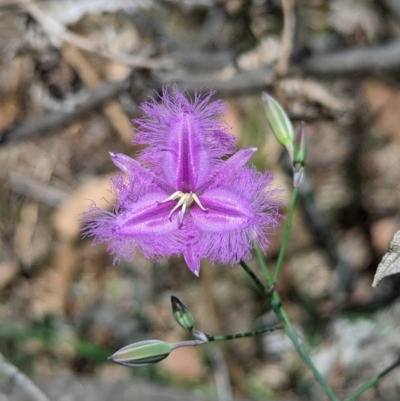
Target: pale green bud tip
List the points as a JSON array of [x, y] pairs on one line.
[[300, 145], [142, 353], [181, 314], [278, 120]]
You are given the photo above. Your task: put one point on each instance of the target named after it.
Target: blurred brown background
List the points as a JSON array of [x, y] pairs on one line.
[[72, 74]]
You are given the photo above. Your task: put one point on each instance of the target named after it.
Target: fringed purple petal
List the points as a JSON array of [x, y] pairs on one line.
[[136, 171], [137, 182], [241, 212], [225, 211], [192, 259], [224, 169], [186, 138], [147, 216], [146, 226]]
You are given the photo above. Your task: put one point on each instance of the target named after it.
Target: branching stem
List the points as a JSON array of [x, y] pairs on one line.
[[281, 314], [245, 334]]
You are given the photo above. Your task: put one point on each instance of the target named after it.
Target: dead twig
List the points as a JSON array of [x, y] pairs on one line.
[[289, 22], [21, 380], [314, 92], [91, 79], [33, 189], [240, 83], [51, 122], [365, 60], [54, 28]]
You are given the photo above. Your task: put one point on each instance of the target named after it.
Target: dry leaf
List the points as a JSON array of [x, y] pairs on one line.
[[9, 270], [390, 263]]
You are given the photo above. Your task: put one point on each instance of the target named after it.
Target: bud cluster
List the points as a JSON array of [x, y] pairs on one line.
[[148, 352]]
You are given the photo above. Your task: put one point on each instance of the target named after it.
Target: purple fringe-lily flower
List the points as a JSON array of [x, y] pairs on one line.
[[182, 197]]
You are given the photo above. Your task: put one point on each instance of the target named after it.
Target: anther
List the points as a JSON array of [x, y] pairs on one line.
[[184, 202]]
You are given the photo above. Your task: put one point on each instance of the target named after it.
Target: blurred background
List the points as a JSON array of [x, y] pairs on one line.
[[72, 74]]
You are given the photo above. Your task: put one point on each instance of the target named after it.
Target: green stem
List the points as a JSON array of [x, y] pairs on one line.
[[252, 275], [245, 334], [280, 312], [285, 235], [263, 265], [373, 381], [291, 333]]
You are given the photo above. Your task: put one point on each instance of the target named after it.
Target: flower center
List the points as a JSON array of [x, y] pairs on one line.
[[184, 202]]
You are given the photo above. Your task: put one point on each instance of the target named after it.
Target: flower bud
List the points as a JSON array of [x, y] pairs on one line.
[[279, 122], [142, 353], [181, 314], [300, 145]]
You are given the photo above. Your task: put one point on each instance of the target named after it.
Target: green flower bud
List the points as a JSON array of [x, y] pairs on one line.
[[142, 353], [279, 122], [300, 145], [181, 314]]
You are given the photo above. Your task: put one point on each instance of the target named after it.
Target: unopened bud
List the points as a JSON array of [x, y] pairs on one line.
[[181, 314], [142, 353], [300, 145], [279, 122]]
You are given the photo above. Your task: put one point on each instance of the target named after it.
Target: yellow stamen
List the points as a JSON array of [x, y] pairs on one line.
[[185, 201], [174, 196], [197, 201], [182, 202]]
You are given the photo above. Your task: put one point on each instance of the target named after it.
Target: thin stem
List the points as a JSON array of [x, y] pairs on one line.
[[263, 265], [373, 381], [208, 338], [281, 314], [245, 334], [285, 235], [252, 275], [291, 333], [190, 343]]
